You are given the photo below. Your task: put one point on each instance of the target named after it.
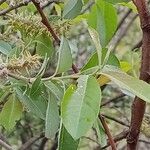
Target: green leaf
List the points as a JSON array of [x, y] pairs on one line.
[[72, 8], [38, 107], [5, 48], [66, 142], [117, 1], [95, 38], [54, 89], [11, 112], [123, 80], [93, 60], [65, 57], [80, 107], [100, 133], [44, 45], [103, 18], [36, 88], [52, 117]]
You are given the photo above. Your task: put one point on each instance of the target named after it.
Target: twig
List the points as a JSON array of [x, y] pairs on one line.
[[42, 145], [116, 120], [5, 11], [17, 77], [4, 98], [89, 5], [113, 99], [123, 18], [25, 3], [137, 45], [5, 145], [94, 141], [49, 3], [30, 142], [143, 141], [110, 138], [117, 138], [122, 32], [2, 1]]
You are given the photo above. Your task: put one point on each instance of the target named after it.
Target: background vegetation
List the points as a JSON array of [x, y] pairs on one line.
[[69, 73]]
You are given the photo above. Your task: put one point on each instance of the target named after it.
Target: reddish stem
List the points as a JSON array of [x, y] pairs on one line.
[[138, 107]]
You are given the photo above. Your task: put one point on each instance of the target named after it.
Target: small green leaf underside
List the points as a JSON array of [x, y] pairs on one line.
[[72, 8], [52, 117], [65, 56]]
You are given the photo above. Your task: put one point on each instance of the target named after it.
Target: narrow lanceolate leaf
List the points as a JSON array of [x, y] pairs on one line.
[[52, 117], [93, 60], [72, 8], [11, 112], [37, 107], [65, 57], [117, 1], [123, 80], [66, 142], [80, 107], [95, 37], [103, 18], [44, 45], [53, 88]]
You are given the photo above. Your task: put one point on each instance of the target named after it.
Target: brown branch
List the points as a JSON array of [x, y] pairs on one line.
[[5, 145], [45, 21], [117, 138], [113, 99], [110, 138], [138, 107]]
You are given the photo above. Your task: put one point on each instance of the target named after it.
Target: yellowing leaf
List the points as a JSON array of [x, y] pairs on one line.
[[125, 66], [102, 80]]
